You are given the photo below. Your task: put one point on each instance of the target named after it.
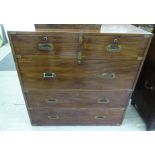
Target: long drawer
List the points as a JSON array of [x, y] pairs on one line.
[[46, 73], [80, 99], [77, 116], [92, 46]]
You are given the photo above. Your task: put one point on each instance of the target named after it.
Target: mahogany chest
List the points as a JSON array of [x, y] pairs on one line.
[[78, 74]]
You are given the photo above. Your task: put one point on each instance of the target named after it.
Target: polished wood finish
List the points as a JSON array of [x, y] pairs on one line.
[[88, 75], [94, 46], [77, 116], [64, 45], [78, 74], [81, 99]]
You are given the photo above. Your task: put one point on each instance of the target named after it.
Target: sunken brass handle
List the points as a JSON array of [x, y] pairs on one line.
[[51, 101], [49, 75], [114, 47], [100, 117], [109, 76], [103, 100], [45, 46], [53, 117]]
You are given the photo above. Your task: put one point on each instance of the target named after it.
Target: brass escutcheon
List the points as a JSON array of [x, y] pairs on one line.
[[114, 47]]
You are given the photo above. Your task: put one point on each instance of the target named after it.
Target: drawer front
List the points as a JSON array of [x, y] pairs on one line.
[[67, 74], [76, 116], [56, 45], [103, 99], [111, 47]]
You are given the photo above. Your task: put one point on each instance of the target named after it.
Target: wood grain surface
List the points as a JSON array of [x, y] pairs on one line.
[[77, 116], [93, 47], [70, 75], [102, 99], [77, 57]]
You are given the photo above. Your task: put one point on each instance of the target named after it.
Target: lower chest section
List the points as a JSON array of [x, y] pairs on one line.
[[63, 92], [77, 107]]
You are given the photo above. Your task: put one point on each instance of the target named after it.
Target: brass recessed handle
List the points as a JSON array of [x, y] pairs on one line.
[[45, 46], [103, 100], [114, 47], [109, 76], [100, 117], [51, 101], [49, 75], [53, 117]]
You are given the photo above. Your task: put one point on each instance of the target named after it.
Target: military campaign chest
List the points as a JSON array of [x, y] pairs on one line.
[[78, 74]]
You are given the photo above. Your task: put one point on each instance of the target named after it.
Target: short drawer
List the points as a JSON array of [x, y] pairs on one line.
[[113, 47], [77, 116], [81, 99], [52, 74], [57, 44]]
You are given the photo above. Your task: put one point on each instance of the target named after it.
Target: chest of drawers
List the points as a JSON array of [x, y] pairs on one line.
[[78, 74]]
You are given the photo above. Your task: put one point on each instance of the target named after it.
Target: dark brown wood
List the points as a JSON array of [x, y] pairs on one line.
[[151, 53], [143, 97], [63, 45], [88, 75], [77, 116], [84, 72], [81, 99], [18, 72], [94, 46]]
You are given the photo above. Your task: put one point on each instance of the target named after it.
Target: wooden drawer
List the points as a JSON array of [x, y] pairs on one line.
[[77, 116], [81, 99], [67, 74], [96, 47], [59, 44]]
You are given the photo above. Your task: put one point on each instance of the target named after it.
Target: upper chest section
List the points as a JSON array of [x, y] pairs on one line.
[[87, 45]]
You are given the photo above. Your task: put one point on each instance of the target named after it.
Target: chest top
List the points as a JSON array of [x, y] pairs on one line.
[[81, 28]]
